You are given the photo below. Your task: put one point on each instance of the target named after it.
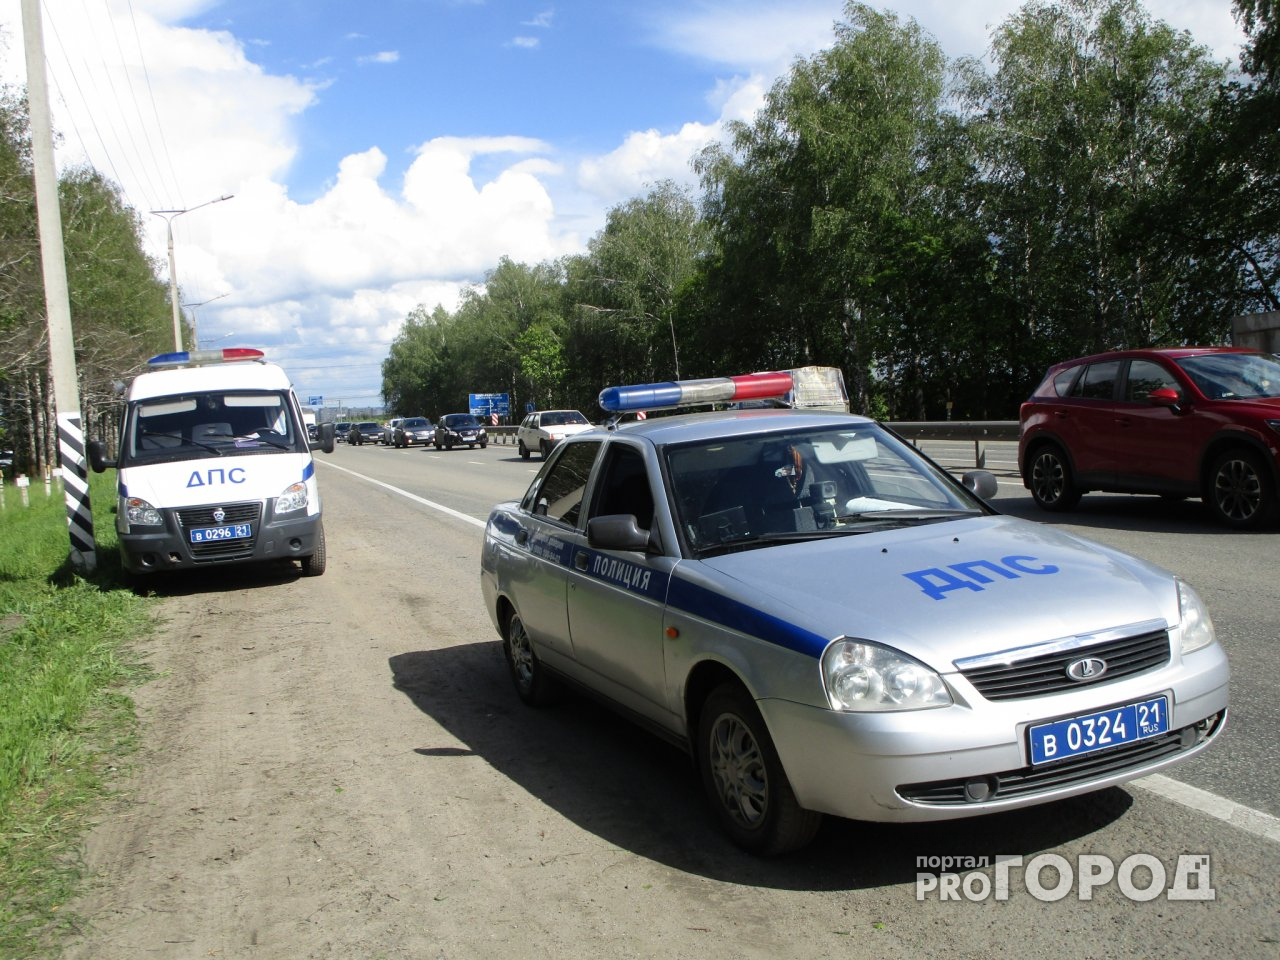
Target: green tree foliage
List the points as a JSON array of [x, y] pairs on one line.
[[119, 310], [940, 231]]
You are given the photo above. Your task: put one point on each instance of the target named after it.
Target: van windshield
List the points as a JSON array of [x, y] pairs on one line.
[[215, 424]]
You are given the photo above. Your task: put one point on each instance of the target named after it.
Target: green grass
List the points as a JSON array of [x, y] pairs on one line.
[[66, 720]]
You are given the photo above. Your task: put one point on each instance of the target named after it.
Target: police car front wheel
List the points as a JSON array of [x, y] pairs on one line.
[[744, 780]]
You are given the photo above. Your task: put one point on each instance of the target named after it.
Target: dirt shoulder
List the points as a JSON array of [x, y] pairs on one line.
[[337, 767]]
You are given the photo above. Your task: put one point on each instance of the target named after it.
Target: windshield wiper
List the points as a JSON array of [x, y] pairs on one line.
[[181, 440], [923, 515]]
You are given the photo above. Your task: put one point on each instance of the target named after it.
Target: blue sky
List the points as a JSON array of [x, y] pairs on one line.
[[386, 153]]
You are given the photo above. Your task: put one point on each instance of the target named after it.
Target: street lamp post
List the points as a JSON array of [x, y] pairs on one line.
[[169, 216], [195, 332]]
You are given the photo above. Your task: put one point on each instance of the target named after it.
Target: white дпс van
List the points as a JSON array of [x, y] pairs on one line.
[[215, 466]]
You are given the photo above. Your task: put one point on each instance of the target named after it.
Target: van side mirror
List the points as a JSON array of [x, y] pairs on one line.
[[324, 438], [96, 450]]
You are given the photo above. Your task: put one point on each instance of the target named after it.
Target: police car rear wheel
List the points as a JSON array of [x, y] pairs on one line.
[[744, 780], [532, 684]]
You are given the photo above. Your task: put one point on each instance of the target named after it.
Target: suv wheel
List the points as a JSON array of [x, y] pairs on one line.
[[1051, 483], [743, 778], [532, 684], [524, 451], [1240, 490]]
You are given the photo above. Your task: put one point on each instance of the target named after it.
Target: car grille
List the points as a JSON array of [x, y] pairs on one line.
[[236, 549], [1029, 781], [1043, 675]]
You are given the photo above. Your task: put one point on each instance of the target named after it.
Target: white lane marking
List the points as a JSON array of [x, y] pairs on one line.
[[1238, 815], [409, 496]]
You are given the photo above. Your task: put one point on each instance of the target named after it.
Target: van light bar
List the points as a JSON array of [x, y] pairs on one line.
[[192, 357], [655, 396]]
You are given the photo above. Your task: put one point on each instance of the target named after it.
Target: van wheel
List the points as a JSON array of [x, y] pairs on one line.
[[744, 780], [1240, 490], [313, 566]]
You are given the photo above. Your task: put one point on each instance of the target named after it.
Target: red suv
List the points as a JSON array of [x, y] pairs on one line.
[[1179, 422]]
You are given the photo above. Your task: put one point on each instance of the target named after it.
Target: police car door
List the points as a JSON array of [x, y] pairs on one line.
[[551, 516], [616, 597]]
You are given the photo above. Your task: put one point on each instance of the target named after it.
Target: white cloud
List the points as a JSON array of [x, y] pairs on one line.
[[525, 43], [386, 56]]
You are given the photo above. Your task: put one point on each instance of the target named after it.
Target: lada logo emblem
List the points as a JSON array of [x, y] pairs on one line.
[[1089, 668], [219, 514]]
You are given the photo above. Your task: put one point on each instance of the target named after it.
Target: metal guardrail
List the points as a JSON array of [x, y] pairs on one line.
[[979, 431]]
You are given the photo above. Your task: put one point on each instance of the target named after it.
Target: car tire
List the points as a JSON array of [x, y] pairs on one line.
[[1241, 494], [483, 444], [544, 448], [524, 451], [313, 566], [528, 676], [744, 780], [1052, 486]]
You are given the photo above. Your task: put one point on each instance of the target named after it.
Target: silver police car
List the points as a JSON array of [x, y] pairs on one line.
[[831, 624]]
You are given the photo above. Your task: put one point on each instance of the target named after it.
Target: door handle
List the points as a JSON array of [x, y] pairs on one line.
[[522, 536], [580, 561]]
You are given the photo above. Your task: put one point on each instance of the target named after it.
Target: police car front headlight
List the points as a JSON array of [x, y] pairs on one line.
[[1197, 628], [293, 498], [862, 676], [139, 513]]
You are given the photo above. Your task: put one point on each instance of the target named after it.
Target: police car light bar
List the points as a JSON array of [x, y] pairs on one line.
[[194, 357], [656, 396]]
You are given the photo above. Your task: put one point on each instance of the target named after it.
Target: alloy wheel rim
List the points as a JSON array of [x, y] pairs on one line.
[[521, 654], [1047, 478], [1238, 490], [738, 770]]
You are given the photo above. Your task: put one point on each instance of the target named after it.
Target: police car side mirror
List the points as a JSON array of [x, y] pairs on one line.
[[982, 483], [97, 453], [324, 438], [617, 532]]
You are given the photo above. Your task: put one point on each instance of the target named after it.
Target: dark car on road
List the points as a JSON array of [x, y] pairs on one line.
[[459, 429], [1178, 422], [366, 431], [413, 431]]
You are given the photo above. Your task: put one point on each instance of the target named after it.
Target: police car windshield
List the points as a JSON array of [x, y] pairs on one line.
[[215, 424], [761, 489]]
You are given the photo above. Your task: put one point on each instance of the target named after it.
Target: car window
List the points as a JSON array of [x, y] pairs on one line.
[[1234, 376], [1063, 380], [1146, 376], [749, 489], [559, 496], [624, 487], [1098, 381]]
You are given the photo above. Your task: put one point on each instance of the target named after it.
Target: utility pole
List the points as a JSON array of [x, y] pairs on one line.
[[62, 357]]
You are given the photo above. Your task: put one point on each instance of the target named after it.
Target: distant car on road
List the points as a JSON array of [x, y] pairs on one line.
[[457, 429], [1178, 422], [342, 429], [366, 431], [542, 430], [413, 431], [389, 431]]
